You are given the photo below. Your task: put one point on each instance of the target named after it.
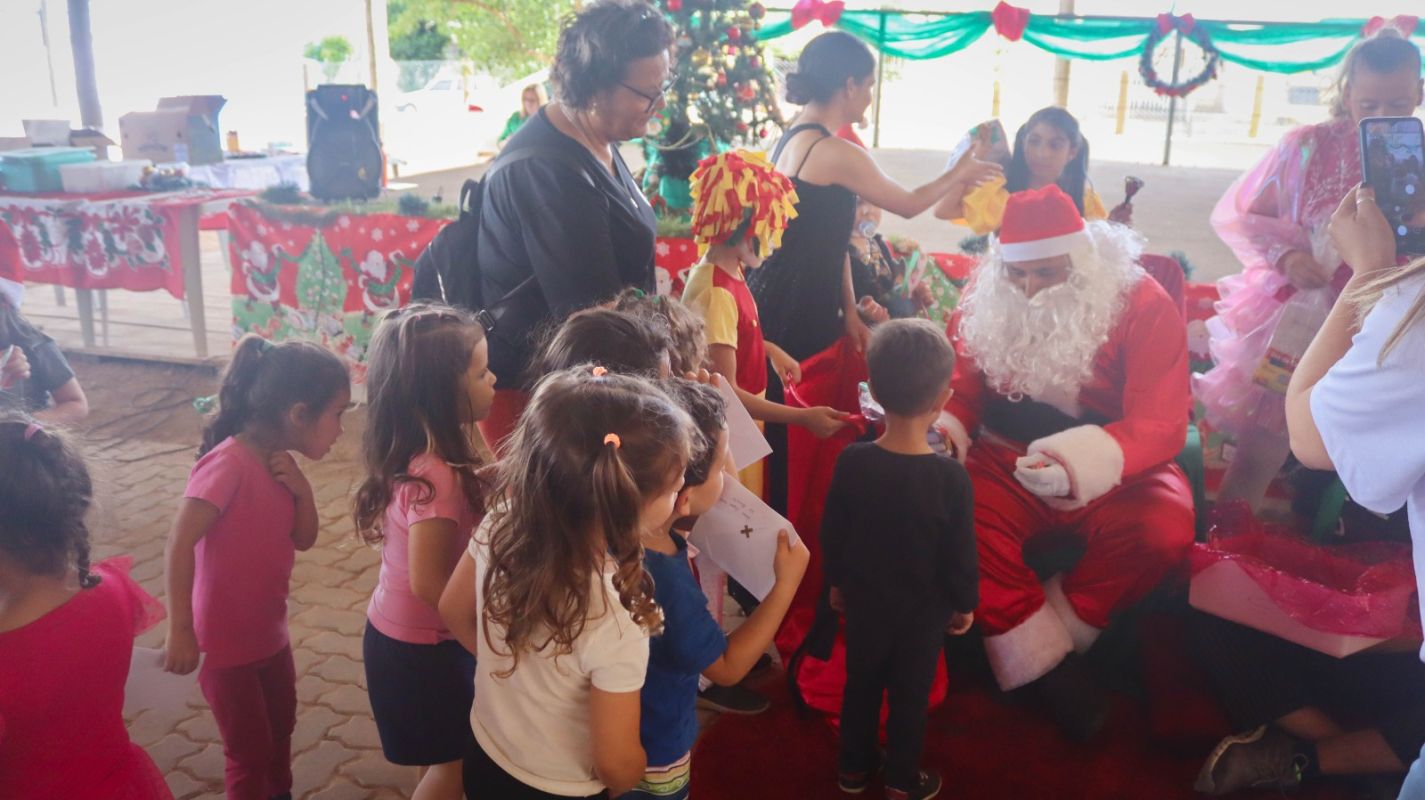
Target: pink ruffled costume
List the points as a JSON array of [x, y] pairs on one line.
[[1282, 204]]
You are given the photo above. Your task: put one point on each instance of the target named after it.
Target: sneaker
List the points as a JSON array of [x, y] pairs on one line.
[[1074, 699], [732, 700], [927, 785], [1265, 758], [856, 782]]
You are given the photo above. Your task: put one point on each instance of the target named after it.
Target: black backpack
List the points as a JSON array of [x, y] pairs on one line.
[[448, 271]]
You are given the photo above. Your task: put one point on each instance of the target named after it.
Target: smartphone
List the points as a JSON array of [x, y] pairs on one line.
[[1393, 164]]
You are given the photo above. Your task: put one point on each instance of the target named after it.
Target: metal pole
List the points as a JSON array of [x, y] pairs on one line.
[[81, 41], [1173, 101], [1061, 65], [49, 58], [1257, 108], [880, 78], [1122, 115]]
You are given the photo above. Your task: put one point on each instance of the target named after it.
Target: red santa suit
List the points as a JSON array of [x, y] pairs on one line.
[[1114, 436]]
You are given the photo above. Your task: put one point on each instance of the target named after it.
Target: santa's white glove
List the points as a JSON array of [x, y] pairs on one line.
[[1042, 476]]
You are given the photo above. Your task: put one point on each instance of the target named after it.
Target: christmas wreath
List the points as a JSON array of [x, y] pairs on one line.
[[1167, 24]]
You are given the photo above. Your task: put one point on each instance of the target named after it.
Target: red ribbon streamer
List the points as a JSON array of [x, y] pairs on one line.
[[1010, 21], [828, 13]]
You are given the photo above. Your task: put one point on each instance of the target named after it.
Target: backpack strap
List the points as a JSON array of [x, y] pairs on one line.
[[489, 316]]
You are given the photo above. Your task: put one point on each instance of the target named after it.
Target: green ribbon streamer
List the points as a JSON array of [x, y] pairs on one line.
[[920, 37]]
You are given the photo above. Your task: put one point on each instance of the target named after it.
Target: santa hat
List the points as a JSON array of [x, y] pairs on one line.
[[1041, 223], [737, 194]]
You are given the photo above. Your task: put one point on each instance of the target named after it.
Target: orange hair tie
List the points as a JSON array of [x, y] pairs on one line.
[[600, 372], [612, 438]]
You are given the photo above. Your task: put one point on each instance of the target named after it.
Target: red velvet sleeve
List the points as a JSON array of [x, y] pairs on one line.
[[968, 382], [1156, 395]]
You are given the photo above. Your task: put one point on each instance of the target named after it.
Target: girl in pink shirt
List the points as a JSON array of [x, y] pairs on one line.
[[428, 382], [66, 633], [246, 510]]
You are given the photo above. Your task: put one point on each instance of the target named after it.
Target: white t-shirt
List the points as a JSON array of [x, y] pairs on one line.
[[535, 723], [1372, 416]]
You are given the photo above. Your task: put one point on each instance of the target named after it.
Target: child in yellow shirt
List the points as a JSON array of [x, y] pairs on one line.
[[1049, 148]]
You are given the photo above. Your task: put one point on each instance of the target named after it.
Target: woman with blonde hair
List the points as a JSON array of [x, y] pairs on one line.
[[532, 99]]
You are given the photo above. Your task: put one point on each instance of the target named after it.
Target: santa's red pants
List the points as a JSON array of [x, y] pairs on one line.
[[1134, 536]]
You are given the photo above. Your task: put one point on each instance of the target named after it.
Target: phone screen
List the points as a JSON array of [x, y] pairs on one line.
[[1393, 164]]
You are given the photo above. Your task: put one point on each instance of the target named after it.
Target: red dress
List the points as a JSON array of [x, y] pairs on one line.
[[62, 733]]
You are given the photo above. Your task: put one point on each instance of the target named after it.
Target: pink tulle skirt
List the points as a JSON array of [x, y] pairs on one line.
[[1247, 315]]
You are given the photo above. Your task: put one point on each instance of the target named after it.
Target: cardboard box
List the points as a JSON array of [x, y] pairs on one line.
[[46, 132], [1224, 590], [181, 129]]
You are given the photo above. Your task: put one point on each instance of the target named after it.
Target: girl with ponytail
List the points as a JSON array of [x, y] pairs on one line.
[[246, 510], [552, 596], [66, 632]]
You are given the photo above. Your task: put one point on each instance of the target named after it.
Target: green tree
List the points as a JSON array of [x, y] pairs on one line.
[[417, 46], [723, 93], [331, 52], [506, 38]]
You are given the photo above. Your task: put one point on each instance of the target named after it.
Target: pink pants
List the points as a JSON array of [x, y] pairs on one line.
[[255, 706]]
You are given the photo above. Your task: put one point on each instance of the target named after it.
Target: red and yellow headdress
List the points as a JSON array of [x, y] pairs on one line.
[[741, 192]]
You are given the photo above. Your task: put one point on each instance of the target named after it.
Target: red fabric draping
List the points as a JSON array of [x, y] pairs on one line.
[[672, 259], [113, 240], [826, 12], [1010, 21]]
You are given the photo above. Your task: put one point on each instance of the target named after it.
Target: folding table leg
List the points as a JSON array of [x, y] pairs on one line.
[[193, 277]]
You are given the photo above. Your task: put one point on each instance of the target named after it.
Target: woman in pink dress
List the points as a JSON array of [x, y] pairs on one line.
[[66, 633], [1274, 218]]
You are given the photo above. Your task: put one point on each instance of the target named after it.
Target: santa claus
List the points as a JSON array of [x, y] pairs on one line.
[[1071, 401]]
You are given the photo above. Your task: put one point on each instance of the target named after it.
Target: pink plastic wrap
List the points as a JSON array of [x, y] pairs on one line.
[[1361, 589], [1280, 205]]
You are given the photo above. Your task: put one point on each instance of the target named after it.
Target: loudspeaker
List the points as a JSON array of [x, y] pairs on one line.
[[343, 148]]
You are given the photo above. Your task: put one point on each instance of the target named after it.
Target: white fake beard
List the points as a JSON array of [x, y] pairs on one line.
[[1044, 347]]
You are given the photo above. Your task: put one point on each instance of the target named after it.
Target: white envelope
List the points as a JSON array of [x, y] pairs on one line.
[[150, 687], [744, 439], [739, 534]]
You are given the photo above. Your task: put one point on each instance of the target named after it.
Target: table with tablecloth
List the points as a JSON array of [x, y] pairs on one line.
[[320, 275], [137, 241], [253, 173]]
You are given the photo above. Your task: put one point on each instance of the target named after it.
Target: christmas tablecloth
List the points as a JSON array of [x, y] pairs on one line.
[[114, 240], [321, 276]]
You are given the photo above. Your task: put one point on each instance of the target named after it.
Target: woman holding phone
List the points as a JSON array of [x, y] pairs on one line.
[[1274, 218], [1354, 404]]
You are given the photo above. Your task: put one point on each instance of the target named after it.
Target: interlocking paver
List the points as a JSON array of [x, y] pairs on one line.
[[313, 770], [184, 786], [377, 772], [313, 724], [359, 731], [340, 669], [347, 699]]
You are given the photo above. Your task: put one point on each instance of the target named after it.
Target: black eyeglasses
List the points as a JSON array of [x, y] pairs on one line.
[[652, 100]]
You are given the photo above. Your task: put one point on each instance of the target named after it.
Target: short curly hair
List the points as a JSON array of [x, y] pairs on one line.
[[597, 45], [45, 492]]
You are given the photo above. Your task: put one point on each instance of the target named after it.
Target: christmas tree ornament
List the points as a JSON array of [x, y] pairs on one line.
[[755, 11], [734, 34], [675, 5]]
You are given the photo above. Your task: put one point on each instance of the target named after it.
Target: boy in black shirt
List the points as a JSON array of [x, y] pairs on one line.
[[899, 547]]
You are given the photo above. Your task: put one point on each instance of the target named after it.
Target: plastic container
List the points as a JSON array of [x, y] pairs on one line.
[[102, 176], [36, 169]]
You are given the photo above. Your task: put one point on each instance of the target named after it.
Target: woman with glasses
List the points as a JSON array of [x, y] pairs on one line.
[[567, 226]]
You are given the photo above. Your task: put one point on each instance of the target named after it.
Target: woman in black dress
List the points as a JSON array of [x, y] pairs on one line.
[[804, 292], [568, 227]]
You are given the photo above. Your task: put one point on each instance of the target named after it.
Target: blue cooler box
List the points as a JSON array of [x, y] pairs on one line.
[[36, 169]]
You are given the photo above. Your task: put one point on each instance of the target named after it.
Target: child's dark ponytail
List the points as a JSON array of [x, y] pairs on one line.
[[264, 381], [45, 492], [617, 502]]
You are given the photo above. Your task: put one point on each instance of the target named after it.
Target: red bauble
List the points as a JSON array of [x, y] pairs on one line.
[[761, 133], [755, 11], [734, 34], [675, 5], [741, 127], [721, 79]]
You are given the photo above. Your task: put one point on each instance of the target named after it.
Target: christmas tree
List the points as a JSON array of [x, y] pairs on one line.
[[723, 94]]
